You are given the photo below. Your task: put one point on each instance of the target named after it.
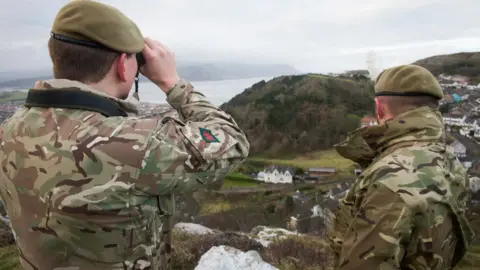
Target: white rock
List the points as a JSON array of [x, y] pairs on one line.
[[265, 235], [228, 258], [193, 228]]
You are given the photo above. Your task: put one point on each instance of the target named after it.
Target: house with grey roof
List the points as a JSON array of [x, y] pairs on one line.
[[339, 191], [459, 149], [278, 174]]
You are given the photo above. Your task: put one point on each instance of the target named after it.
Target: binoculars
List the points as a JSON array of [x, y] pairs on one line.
[[140, 59]]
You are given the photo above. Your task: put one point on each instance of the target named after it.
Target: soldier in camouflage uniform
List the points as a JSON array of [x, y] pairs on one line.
[[87, 191], [407, 209]]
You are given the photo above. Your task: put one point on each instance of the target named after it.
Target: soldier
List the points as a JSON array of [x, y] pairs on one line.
[[407, 209], [88, 187]]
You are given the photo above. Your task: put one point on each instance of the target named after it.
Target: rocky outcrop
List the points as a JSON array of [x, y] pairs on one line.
[[261, 248], [229, 258]]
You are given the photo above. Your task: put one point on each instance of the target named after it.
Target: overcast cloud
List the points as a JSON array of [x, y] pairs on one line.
[[312, 35]]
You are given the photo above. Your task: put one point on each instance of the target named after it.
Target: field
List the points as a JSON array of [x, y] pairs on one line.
[[12, 96], [328, 158], [239, 180]]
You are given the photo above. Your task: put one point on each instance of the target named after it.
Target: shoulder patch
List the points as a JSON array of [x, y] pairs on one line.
[[208, 136]]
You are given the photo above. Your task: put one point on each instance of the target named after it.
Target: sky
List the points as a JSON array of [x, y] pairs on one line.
[[311, 35]]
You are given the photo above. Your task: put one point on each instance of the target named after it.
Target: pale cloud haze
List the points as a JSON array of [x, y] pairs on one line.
[[311, 35]]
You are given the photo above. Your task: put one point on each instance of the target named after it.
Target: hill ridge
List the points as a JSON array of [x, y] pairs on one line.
[[300, 113]]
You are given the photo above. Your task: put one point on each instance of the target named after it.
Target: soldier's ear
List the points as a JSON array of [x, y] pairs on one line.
[[120, 67], [379, 109]]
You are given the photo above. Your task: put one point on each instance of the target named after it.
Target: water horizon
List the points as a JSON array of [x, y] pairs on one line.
[[217, 91]]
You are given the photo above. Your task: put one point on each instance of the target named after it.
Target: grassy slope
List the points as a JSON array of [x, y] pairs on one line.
[[239, 180]]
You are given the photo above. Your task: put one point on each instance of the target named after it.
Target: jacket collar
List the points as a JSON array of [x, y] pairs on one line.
[[419, 125], [130, 105]]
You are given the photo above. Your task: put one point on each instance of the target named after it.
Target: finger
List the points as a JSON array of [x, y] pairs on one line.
[[150, 42], [155, 49], [163, 46], [147, 50]]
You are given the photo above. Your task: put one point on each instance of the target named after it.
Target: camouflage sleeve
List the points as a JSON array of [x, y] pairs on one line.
[[378, 232], [182, 154]]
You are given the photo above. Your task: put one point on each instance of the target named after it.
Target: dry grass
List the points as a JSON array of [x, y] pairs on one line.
[[298, 253], [218, 206]]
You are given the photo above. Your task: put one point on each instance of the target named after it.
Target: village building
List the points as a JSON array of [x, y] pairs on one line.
[[474, 184], [460, 79], [459, 149], [455, 121], [466, 149], [448, 99], [338, 191], [368, 121], [278, 174], [321, 172]]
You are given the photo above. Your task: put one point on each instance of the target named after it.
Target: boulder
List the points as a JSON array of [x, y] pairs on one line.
[[228, 258], [193, 228]]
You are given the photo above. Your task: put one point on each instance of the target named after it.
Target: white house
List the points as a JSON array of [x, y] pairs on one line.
[[474, 184], [279, 174], [459, 149]]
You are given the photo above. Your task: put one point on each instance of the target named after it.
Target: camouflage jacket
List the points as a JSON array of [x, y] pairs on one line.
[[85, 191], [407, 209]]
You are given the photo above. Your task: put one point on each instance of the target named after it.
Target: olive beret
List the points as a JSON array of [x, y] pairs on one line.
[[407, 80], [93, 24]]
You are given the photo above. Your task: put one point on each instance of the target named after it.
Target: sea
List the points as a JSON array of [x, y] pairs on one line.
[[217, 92]]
